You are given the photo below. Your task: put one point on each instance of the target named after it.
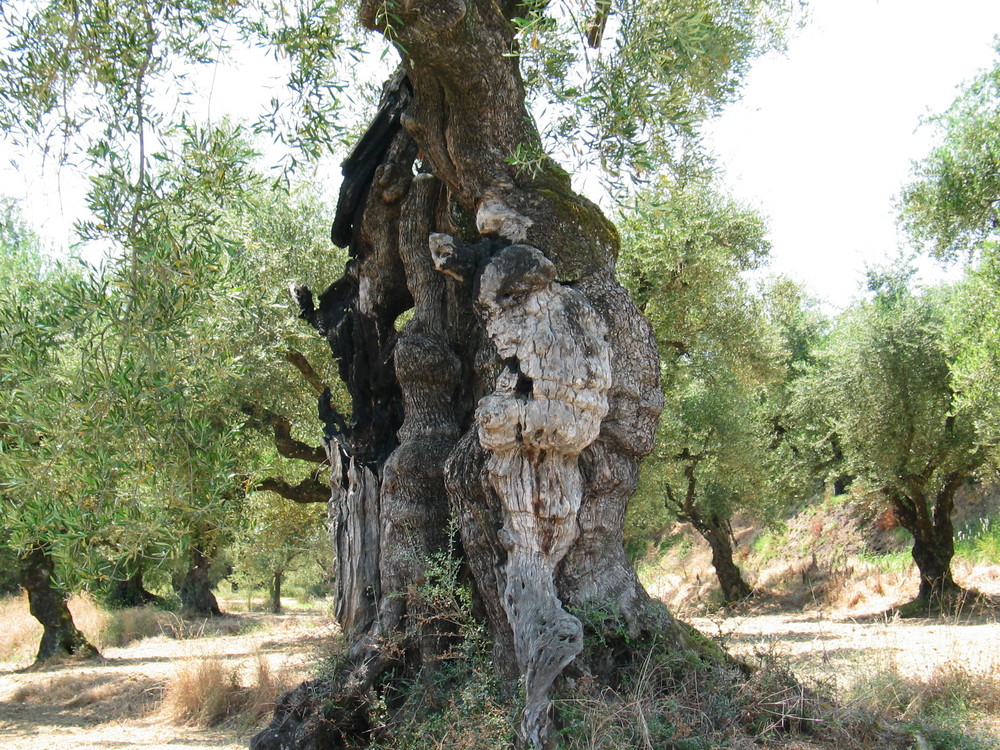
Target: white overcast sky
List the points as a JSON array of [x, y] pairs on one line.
[[820, 143], [824, 136]]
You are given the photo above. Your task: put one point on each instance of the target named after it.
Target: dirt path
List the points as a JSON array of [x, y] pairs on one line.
[[114, 704], [843, 649]]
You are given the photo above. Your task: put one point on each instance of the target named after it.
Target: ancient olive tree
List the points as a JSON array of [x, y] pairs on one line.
[[514, 399], [517, 399], [684, 256]]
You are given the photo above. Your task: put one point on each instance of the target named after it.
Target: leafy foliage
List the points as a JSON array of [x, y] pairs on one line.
[[719, 447], [951, 206], [662, 69], [887, 385], [888, 376]]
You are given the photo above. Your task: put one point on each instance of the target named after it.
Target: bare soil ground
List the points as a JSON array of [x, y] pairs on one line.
[[115, 702], [842, 649]]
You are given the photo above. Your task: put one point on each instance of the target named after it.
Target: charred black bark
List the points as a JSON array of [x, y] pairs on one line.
[[365, 158], [60, 636]]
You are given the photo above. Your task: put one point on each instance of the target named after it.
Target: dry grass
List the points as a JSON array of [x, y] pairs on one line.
[[954, 704], [90, 617], [951, 687], [19, 631], [685, 580], [677, 705], [112, 696], [208, 691]]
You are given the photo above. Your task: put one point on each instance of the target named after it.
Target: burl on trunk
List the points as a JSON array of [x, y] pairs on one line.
[[513, 407]]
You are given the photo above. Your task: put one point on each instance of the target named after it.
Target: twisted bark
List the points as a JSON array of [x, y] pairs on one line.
[[517, 400], [60, 636]]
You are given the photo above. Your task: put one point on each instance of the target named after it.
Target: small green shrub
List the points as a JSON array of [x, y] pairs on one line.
[[979, 542], [771, 544], [460, 702]]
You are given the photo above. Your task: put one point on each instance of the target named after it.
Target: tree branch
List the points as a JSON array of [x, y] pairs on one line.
[[298, 359], [309, 490], [287, 446]]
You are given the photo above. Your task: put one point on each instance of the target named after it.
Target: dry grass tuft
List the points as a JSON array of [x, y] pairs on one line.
[[19, 631], [208, 692], [203, 693], [949, 688], [66, 690], [266, 684], [185, 628]]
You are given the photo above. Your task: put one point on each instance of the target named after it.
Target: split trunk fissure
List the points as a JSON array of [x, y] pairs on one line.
[[517, 400]]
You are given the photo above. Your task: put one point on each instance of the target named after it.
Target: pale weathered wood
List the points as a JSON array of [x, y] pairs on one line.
[[546, 407]]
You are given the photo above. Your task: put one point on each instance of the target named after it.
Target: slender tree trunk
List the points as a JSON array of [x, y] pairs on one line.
[[47, 604], [715, 530], [276, 592], [718, 536], [197, 599]]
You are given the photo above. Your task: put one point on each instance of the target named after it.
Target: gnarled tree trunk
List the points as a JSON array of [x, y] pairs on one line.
[[60, 636], [127, 589], [197, 599], [517, 400], [714, 528], [719, 536], [929, 520]]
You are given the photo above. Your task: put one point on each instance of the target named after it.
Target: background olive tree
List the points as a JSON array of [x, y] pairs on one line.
[[720, 448], [904, 430]]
